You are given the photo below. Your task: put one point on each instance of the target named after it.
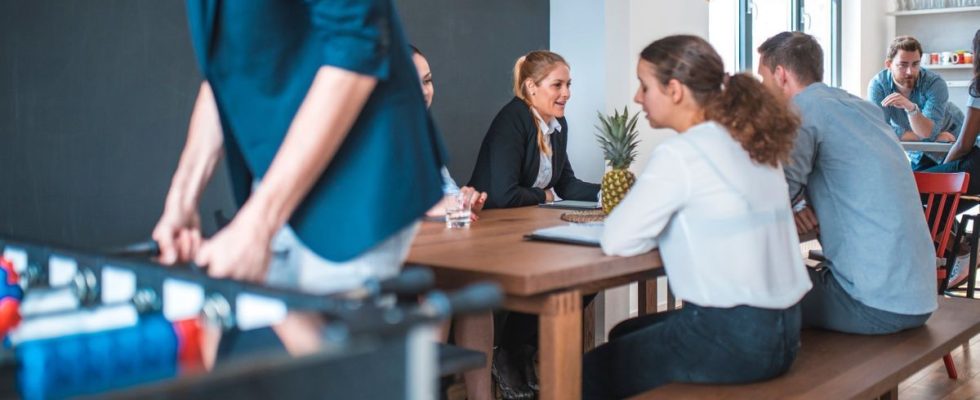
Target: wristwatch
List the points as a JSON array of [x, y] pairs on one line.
[[914, 110]]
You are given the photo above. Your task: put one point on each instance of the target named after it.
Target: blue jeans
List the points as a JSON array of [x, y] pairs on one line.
[[970, 162], [828, 306], [694, 344]]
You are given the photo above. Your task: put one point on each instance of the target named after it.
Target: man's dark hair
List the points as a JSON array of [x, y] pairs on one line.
[[905, 43], [797, 52]]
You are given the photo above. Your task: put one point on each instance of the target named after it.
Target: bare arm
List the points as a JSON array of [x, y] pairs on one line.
[[910, 136], [968, 135], [178, 231], [321, 124], [921, 125]]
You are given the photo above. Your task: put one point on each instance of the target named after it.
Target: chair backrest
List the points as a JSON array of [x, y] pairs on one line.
[[942, 195]]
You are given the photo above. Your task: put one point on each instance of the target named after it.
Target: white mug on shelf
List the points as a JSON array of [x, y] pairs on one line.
[[949, 58]]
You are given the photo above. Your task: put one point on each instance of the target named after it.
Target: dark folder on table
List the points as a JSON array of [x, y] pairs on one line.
[[571, 205], [580, 234]]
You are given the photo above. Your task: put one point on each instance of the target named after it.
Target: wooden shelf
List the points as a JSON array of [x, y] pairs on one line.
[[951, 66], [927, 11]]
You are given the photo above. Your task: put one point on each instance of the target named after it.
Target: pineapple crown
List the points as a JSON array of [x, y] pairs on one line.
[[619, 138]]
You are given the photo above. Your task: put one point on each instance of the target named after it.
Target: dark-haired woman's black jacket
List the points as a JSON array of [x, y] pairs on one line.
[[509, 159]]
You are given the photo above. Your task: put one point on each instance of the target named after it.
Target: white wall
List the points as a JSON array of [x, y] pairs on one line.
[[577, 33], [602, 41], [865, 36], [650, 20]]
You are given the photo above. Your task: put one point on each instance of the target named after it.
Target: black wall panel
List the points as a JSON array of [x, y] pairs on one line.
[[95, 98]]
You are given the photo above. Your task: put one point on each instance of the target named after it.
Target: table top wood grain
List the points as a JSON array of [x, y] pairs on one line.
[[494, 249]]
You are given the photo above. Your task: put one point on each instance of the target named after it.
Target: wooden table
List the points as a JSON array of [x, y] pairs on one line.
[[546, 279], [938, 147]]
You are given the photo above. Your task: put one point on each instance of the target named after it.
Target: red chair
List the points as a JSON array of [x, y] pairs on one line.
[[941, 192]]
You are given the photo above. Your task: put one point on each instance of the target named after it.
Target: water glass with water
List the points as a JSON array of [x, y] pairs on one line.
[[458, 210]]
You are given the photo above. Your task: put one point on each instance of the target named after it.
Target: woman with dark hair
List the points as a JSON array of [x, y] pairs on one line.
[[473, 331], [713, 199], [964, 156], [449, 186]]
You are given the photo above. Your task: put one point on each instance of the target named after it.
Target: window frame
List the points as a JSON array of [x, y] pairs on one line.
[[797, 16]]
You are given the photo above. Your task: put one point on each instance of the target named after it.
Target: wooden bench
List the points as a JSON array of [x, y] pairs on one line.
[[841, 366]]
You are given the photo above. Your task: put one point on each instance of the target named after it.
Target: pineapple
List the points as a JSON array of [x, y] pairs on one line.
[[619, 138]]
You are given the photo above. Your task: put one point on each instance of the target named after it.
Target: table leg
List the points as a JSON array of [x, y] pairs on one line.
[[560, 346], [588, 325], [647, 296], [671, 300]]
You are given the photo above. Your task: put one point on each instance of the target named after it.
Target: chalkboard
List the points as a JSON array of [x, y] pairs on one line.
[[94, 105], [95, 98], [471, 46]]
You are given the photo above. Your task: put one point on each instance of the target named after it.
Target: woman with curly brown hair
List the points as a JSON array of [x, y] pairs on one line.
[[713, 199]]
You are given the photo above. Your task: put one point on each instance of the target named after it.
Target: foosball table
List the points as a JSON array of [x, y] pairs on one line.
[[112, 323]]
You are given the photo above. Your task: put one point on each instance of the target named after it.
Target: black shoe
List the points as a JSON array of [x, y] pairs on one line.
[[530, 359], [507, 371]]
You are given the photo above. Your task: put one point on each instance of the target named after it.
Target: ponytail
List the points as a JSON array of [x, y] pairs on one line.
[[518, 82], [756, 118]]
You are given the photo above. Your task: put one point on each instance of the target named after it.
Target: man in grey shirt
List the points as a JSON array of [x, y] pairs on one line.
[[879, 275]]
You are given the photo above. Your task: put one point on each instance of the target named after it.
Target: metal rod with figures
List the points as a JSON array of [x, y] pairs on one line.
[[78, 323]]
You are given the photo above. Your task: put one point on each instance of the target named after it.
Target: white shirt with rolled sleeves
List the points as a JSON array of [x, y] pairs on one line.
[[723, 223]]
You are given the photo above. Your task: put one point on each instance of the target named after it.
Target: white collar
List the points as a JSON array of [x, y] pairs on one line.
[[547, 128]]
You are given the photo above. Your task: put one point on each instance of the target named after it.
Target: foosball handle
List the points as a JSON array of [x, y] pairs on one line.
[[10, 296]]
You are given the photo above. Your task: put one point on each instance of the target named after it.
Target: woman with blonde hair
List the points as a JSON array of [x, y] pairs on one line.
[[713, 199], [522, 160]]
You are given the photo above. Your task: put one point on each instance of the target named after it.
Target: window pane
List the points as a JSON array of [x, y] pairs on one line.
[[769, 17], [817, 21], [723, 31]]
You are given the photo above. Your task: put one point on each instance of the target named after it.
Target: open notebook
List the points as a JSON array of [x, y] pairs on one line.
[[581, 234]]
